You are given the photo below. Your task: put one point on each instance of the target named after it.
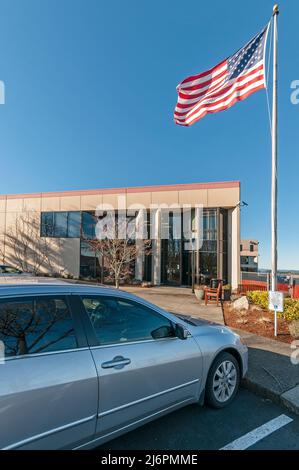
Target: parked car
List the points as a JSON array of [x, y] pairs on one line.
[[6, 270], [84, 364]]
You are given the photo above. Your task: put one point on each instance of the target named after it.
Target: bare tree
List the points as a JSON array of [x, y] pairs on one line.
[[119, 254], [2, 255], [24, 248], [31, 326]]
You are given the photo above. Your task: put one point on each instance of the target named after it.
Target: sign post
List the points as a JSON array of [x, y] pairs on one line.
[[276, 304]]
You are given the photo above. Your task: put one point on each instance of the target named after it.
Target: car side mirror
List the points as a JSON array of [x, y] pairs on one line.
[[162, 332], [181, 331]]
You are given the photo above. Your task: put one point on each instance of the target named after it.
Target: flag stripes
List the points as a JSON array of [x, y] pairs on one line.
[[232, 80]]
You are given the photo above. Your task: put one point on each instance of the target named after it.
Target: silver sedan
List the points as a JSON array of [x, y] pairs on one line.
[[81, 365]]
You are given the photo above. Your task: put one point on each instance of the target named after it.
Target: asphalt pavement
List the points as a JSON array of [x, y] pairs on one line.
[[250, 422]]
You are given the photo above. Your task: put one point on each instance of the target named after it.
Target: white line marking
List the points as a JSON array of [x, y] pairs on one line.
[[259, 433]]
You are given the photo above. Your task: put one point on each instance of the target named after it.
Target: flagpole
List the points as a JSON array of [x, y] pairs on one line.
[[274, 158]]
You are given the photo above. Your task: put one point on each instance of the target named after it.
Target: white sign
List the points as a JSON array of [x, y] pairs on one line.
[[276, 301]]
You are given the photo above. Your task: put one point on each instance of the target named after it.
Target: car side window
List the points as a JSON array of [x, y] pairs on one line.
[[36, 325], [117, 320]]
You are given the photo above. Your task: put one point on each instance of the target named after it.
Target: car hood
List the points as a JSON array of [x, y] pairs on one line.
[[199, 326]]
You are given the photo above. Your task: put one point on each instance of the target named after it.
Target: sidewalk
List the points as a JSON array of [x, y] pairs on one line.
[[270, 374], [178, 300]]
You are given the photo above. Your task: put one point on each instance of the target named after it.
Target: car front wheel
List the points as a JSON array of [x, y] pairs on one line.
[[223, 380]]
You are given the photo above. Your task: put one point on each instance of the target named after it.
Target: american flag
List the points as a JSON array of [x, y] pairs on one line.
[[220, 87]]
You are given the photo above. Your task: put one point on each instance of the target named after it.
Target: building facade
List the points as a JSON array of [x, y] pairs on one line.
[[66, 221], [249, 255]]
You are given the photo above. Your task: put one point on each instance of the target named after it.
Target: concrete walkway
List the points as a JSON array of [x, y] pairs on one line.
[[178, 300], [271, 372]]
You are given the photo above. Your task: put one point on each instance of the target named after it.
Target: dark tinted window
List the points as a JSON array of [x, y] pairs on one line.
[[74, 224], [47, 224], [30, 326], [89, 222], [60, 224], [119, 321], [9, 270]]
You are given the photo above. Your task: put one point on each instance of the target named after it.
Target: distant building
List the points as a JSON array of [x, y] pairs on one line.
[[249, 255]]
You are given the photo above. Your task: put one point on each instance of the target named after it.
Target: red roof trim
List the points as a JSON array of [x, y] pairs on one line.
[[136, 189]]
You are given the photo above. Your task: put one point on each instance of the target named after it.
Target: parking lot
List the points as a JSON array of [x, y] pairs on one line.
[[248, 423]]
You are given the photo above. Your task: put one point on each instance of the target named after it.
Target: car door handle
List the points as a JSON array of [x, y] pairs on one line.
[[118, 362]]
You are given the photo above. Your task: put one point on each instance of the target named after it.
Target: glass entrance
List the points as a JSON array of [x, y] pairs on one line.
[[171, 262]]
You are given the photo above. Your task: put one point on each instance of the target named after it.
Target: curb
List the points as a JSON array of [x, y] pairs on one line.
[[285, 399]]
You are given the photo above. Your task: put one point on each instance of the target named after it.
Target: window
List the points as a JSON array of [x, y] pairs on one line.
[[89, 222], [9, 270], [74, 224], [241, 247], [210, 224], [251, 247], [36, 325], [47, 224], [118, 320], [61, 224]]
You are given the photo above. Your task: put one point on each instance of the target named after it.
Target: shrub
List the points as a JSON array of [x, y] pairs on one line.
[[291, 306], [258, 297], [291, 310]]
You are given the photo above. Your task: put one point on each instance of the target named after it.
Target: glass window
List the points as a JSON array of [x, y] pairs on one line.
[[89, 222], [251, 247], [74, 225], [60, 224], [89, 262], [36, 325], [47, 224], [241, 247], [9, 270], [120, 321], [210, 224], [208, 265]]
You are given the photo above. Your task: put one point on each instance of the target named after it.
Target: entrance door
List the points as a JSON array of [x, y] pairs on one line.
[[186, 268], [171, 262]]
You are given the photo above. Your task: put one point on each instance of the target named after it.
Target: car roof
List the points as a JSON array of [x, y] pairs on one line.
[[14, 286]]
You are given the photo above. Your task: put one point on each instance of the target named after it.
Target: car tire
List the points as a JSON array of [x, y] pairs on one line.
[[223, 381]]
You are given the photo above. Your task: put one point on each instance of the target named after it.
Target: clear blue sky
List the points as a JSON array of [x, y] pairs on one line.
[[90, 91]]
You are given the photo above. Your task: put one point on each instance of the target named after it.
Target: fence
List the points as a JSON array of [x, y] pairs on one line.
[[261, 281]]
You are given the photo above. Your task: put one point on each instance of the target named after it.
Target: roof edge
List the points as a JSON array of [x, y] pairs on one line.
[[127, 190]]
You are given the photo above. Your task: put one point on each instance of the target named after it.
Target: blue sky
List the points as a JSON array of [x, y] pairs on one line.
[[90, 92]]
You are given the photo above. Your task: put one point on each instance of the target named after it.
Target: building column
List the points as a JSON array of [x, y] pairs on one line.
[[233, 253], [139, 262], [156, 246]]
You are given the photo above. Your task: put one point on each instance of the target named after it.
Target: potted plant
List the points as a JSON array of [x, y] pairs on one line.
[[199, 291], [146, 284], [227, 291], [291, 315]]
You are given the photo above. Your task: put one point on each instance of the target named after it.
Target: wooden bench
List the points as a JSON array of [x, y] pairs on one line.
[[213, 295]]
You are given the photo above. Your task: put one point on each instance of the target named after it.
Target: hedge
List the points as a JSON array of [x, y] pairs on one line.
[[291, 306]]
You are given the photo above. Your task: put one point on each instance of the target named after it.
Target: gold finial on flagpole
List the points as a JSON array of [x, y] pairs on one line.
[[275, 9]]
